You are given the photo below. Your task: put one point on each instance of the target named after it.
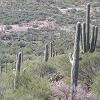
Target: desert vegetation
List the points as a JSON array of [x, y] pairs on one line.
[[49, 49]]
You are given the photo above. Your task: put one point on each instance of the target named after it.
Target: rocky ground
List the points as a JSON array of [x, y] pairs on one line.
[[61, 91]]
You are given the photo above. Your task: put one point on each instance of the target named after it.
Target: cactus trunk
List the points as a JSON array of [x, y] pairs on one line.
[[88, 26], [22, 58], [81, 41], [74, 59], [46, 53], [92, 39], [0, 67], [18, 65], [18, 62], [84, 36], [95, 37], [51, 49]]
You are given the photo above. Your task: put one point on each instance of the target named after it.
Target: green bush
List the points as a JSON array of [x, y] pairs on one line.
[[30, 87], [89, 66], [96, 87], [8, 27]]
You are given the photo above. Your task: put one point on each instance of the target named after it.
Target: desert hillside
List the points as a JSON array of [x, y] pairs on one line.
[[49, 49]]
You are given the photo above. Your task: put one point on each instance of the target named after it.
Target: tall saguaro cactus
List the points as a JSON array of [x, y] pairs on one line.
[[22, 58], [51, 49], [84, 36], [95, 37], [74, 59], [0, 69], [18, 62], [81, 40], [17, 70], [0, 66], [88, 43], [92, 39], [88, 26], [46, 55]]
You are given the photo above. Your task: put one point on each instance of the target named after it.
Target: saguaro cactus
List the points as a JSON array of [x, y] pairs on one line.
[[6, 66], [51, 49], [22, 58], [92, 39], [95, 37], [84, 36], [46, 55], [17, 70], [18, 62], [87, 26], [74, 59], [0, 66], [55, 53], [81, 40], [0, 69]]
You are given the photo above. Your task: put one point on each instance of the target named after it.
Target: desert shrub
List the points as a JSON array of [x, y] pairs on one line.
[[8, 27], [96, 87], [30, 83], [89, 66], [21, 44], [33, 80], [61, 63], [36, 66], [6, 83], [29, 88]]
